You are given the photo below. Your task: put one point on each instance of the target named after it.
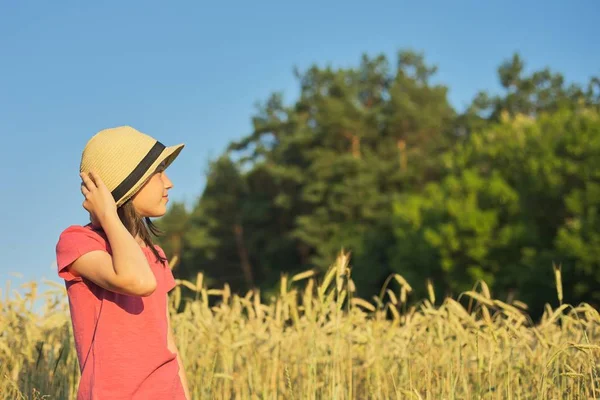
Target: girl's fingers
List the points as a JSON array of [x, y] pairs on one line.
[[84, 190], [87, 181], [96, 178]]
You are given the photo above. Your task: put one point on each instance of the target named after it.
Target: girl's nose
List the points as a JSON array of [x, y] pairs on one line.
[[166, 181]]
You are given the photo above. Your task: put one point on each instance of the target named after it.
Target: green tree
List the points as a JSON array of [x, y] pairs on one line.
[[332, 160], [374, 159], [518, 197]]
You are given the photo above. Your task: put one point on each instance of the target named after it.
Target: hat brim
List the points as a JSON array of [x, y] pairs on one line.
[[169, 154]]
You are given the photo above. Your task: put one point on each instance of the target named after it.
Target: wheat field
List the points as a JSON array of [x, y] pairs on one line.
[[315, 340]]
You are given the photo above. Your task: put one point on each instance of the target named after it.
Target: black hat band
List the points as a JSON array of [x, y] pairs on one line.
[[138, 171]]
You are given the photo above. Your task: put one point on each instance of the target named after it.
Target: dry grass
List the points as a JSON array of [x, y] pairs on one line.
[[317, 341]]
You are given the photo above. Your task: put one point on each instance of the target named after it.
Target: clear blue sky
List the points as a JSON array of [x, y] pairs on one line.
[[192, 72]]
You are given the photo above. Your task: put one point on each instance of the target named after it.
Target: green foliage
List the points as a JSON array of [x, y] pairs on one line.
[[374, 160], [518, 196], [456, 230]]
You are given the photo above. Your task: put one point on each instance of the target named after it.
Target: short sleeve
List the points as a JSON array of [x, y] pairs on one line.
[[74, 242], [169, 279]]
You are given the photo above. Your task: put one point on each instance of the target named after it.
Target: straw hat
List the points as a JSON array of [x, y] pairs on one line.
[[125, 159]]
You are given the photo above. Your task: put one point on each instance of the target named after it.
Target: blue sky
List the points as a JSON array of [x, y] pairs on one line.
[[192, 72]]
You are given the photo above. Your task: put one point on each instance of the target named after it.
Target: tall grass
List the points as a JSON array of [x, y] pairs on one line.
[[315, 340]]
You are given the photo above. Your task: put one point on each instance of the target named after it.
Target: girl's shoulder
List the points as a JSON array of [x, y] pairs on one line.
[[75, 241], [79, 233]]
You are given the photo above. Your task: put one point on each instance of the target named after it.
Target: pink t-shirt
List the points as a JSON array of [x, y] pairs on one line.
[[121, 340]]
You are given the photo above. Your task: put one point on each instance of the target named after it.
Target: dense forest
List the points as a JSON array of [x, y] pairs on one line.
[[375, 160]]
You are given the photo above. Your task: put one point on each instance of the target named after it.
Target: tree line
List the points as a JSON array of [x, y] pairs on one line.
[[374, 159]]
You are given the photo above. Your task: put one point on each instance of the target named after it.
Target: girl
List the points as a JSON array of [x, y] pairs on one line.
[[117, 280]]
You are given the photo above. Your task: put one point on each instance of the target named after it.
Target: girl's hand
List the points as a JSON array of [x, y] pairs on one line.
[[98, 199]]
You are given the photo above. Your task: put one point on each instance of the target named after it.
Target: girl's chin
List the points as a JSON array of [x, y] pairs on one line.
[[159, 211]]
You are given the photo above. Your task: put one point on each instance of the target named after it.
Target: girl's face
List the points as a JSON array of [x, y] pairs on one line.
[[151, 200]]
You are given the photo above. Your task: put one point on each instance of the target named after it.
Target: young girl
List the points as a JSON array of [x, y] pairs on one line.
[[117, 280]]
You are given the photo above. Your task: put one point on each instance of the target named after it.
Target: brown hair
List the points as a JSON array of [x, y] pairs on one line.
[[138, 225]]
